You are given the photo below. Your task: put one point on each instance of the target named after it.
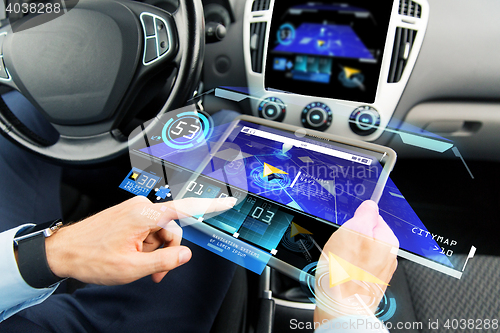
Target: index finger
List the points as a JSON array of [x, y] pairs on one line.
[[179, 209]]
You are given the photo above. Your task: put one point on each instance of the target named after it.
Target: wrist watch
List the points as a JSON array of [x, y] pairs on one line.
[[31, 256]]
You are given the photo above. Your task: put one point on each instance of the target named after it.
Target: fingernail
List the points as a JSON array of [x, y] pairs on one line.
[[372, 204], [232, 201], [184, 256]]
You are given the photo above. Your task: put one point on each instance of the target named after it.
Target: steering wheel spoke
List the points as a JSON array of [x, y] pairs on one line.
[[5, 76]]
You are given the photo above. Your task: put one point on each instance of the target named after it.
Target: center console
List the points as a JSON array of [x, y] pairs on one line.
[[334, 67], [340, 68]]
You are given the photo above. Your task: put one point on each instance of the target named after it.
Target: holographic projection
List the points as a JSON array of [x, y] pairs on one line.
[[276, 176], [416, 242], [354, 268], [293, 191]]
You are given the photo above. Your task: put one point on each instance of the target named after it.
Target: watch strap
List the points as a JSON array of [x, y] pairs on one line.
[[32, 262]]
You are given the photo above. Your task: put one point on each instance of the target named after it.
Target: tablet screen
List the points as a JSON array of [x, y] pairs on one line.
[[314, 176], [293, 190]]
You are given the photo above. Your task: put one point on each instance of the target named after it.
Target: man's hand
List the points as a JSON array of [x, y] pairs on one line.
[[122, 244], [365, 241]]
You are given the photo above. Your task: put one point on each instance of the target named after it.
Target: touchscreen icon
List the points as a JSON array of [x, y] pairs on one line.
[[280, 64], [300, 63], [272, 172], [342, 271], [187, 130], [163, 192], [321, 44], [352, 78], [286, 34], [298, 230], [286, 147]]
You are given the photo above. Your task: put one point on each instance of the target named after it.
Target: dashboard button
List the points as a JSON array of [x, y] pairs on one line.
[[163, 42], [317, 116], [364, 120], [272, 108], [150, 53], [149, 25]]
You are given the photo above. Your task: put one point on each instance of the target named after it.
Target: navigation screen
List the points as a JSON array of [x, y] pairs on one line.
[[336, 48], [308, 175], [293, 190]]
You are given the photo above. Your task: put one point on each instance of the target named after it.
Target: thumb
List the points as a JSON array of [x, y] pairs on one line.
[[162, 260], [367, 207], [384, 233], [365, 218]]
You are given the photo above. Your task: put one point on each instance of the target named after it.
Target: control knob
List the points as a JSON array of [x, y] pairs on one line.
[[272, 108], [317, 116], [364, 120]]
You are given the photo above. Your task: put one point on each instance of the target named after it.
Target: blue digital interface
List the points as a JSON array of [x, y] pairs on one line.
[[309, 176], [318, 7], [139, 182], [407, 226], [256, 221], [326, 40], [326, 186], [231, 248]]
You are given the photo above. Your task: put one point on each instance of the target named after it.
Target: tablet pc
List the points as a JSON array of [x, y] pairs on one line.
[[294, 187]]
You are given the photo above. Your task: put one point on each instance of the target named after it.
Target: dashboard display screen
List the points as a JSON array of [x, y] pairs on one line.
[[331, 50]]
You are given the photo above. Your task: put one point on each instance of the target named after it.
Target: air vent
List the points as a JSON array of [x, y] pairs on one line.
[[257, 38], [408, 8], [403, 44], [260, 5]]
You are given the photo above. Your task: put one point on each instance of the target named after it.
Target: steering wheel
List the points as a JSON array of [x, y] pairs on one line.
[[83, 69]]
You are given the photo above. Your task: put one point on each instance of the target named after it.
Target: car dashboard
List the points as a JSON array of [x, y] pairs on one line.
[[423, 73], [418, 76]]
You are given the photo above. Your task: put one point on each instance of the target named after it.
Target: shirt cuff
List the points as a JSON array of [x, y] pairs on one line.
[[15, 293], [353, 324]]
